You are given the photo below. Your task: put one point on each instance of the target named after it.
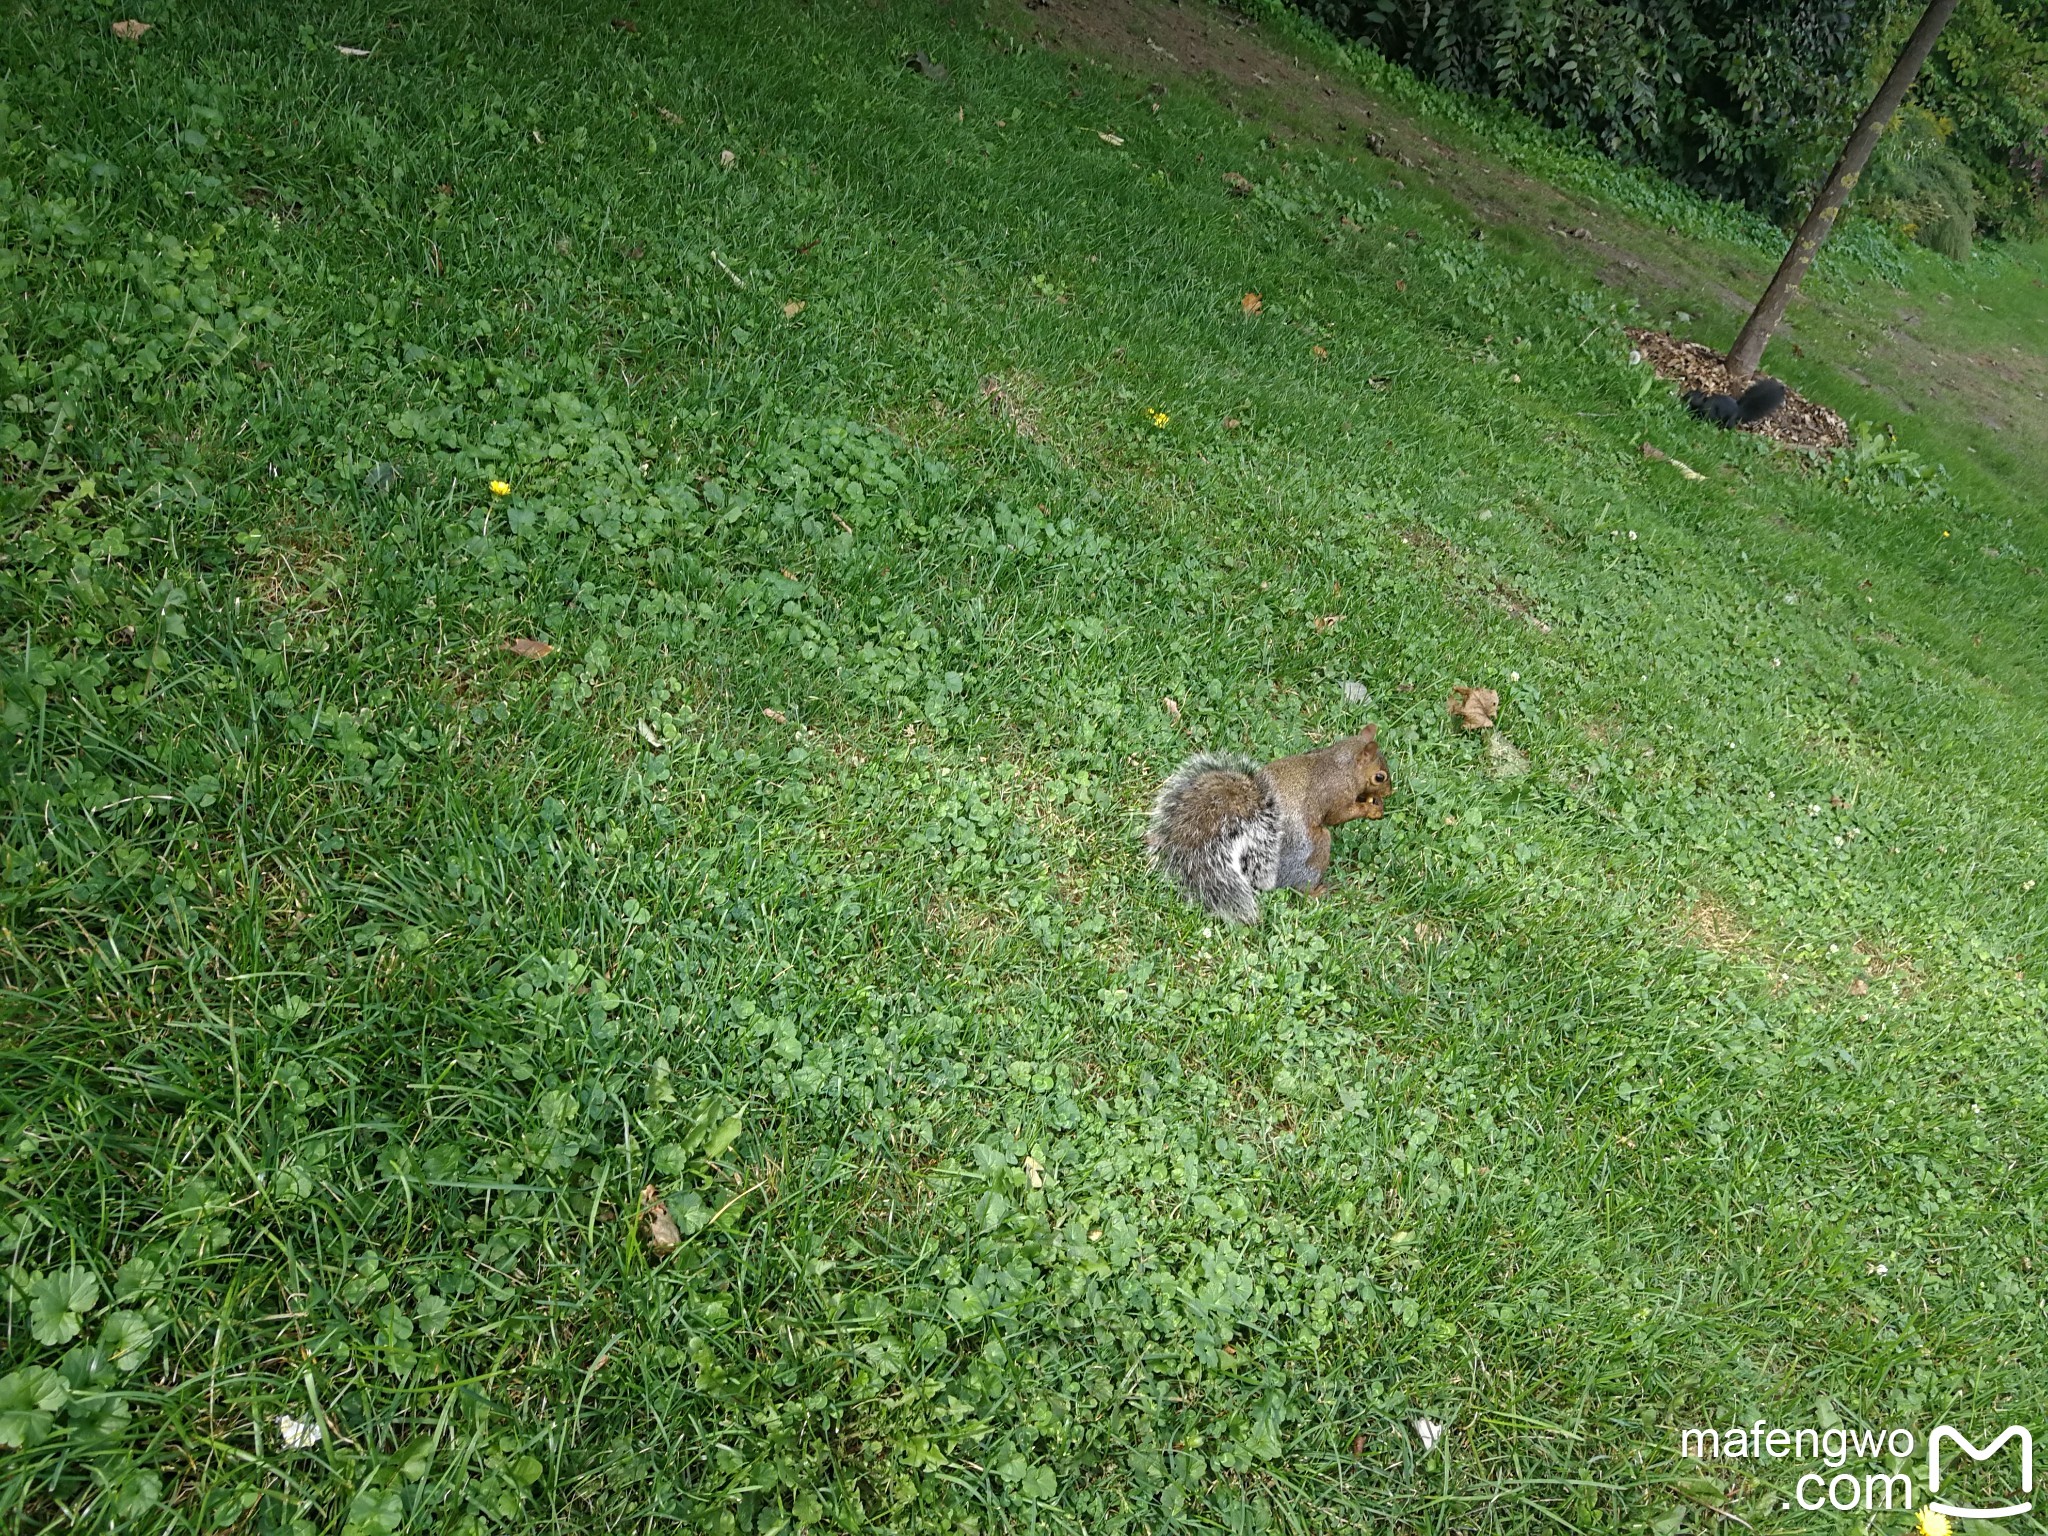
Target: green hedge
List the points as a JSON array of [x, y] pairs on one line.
[[1741, 102]]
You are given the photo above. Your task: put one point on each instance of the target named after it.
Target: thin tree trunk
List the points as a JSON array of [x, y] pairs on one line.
[[1748, 350]]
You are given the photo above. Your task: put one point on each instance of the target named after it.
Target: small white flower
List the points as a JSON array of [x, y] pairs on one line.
[[1884, 1269], [1631, 535], [1516, 677], [299, 1434]]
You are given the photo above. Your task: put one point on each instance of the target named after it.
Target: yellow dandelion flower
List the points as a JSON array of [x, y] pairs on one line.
[[1934, 1523], [1160, 418], [500, 488]]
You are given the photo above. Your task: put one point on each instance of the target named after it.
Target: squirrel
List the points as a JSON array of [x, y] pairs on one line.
[[1224, 828], [1758, 401]]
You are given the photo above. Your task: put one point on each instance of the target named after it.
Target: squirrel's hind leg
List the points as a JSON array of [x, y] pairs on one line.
[[1304, 859]]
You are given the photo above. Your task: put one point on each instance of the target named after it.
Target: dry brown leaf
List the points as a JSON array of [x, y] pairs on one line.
[[1474, 708], [659, 1233], [1252, 303], [793, 308], [777, 716], [1172, 710], [1109, 138], [1239, 186], [1400, 285], [1034, 1170], [1859, 988], [621, 24], [1320, 352], [1654, 454], [1230, 423], [1326, 622], [668, 116], [130, 31], [529, 650]]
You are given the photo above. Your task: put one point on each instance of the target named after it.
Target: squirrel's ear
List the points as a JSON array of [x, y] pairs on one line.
[[1368, 736]]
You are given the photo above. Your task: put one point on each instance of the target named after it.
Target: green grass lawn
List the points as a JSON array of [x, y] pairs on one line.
[[902, 488]]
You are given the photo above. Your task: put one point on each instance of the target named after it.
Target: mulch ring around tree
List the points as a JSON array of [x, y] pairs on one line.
[[1799, 423]]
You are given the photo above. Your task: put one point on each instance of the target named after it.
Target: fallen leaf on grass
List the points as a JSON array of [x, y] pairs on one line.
[[1326, 622], [1252, 303], [777, 716], [1172, 710], [668, 116], [1109, 138], [1474, 708], [793, 308], [1859, 988], [529, 650], [621, 24], [659, 1233], [298, 1434], [1034, 1170], [1239, 186], [353, 53], [1400, 285], [1655, 454], [648, 735], [1320, 352], [1358, 1445], [130, 31], [727, 159]]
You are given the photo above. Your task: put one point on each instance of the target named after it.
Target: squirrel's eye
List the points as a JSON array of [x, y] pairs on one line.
[[1380, 777]]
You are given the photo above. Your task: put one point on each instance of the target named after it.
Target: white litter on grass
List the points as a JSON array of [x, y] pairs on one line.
[[1428, 1431], [353, 53], [1355, 693], [299, 1434]]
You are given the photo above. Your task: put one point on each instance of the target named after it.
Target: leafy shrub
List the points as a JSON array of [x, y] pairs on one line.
[[1751, 104], [1737, 104], [1918, 184]]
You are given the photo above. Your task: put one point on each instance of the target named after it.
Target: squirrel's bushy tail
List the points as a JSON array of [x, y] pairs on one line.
[[1216, 833]]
